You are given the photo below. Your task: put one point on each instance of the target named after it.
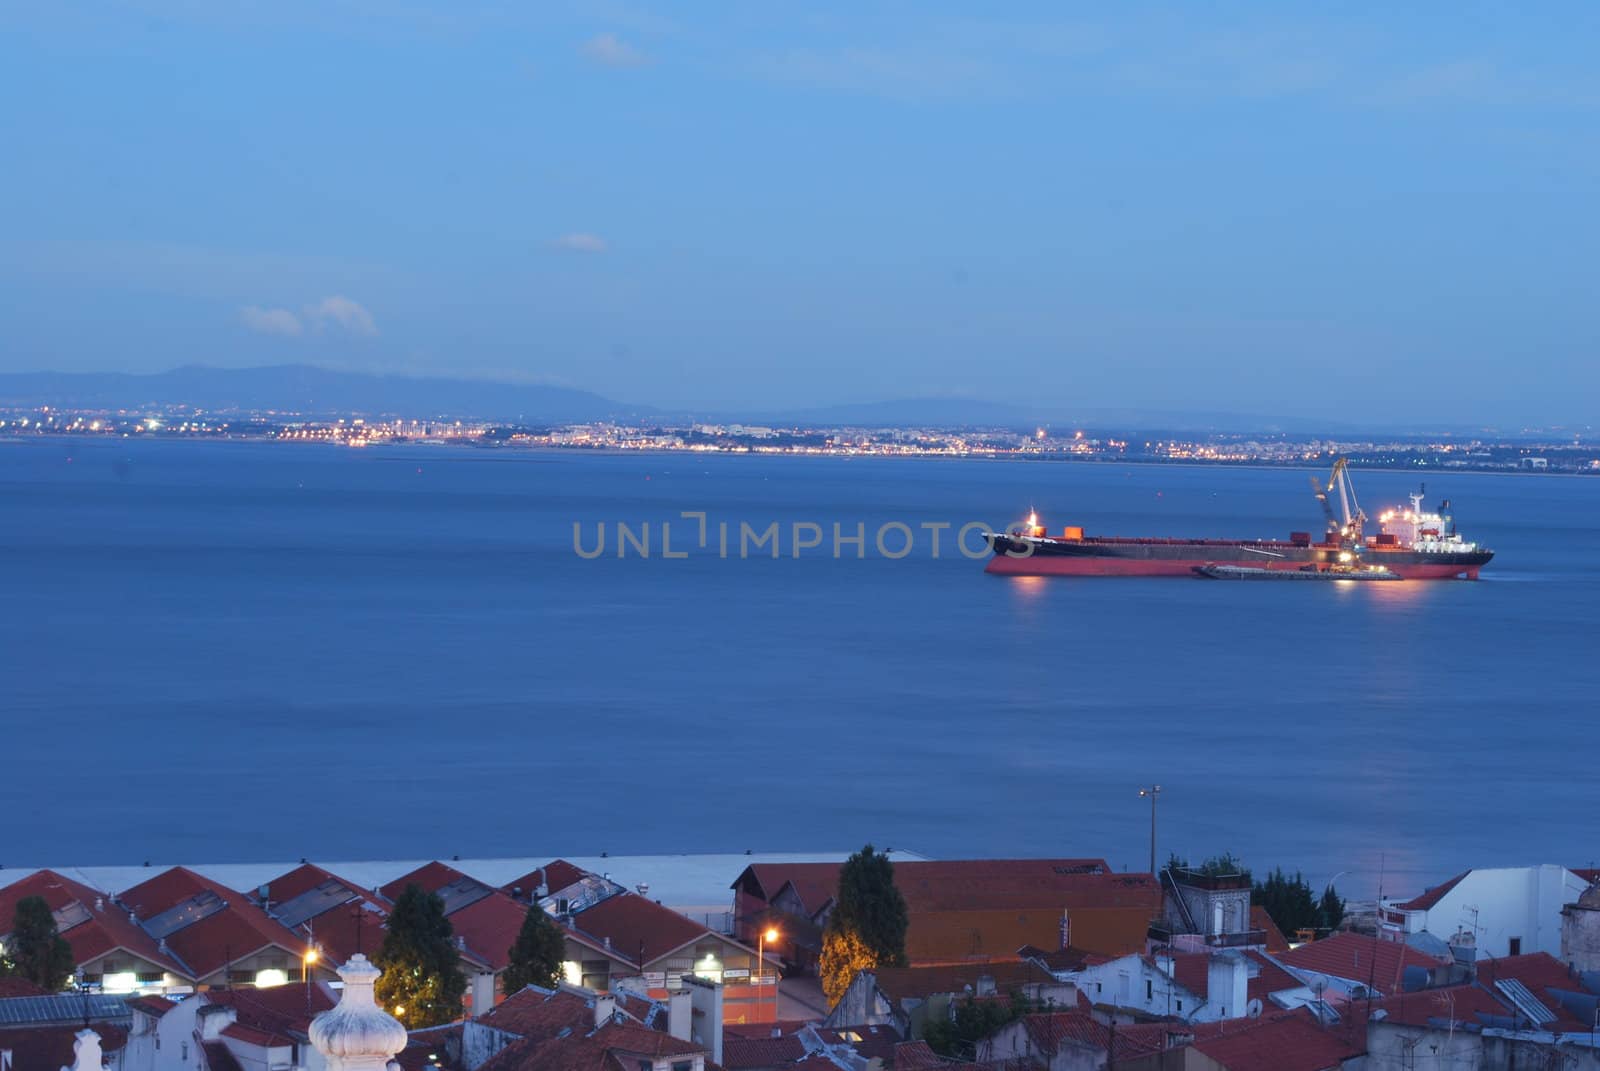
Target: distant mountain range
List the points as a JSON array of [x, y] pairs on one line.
[[320, 391], [304, 389]]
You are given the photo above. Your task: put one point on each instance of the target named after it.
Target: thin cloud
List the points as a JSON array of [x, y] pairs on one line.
[[270, 321], [609, 50], [579, 242], [341, 312]]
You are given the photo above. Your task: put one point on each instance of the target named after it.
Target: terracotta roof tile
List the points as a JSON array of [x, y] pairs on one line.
[[1432, 896], [541, 1013], [207, 946], [431, 877], [1359, 959], [279, 1010], [919, 983], [557, 874], [1272, 936], [153, 1006], [106, 928], [633, 922], [1290, 1041], [19, 987], [746, 1053], [595, 1051]]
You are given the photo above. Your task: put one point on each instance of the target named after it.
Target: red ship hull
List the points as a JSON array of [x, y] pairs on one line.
[[1051, 565]]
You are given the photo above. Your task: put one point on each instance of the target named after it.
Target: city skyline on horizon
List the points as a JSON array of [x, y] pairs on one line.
[[1375, 217]]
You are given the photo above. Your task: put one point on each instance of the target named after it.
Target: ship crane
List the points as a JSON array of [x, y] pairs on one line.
[[1354, 517]]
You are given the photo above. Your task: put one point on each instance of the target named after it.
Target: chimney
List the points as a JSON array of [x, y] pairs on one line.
[[1227, 979], [99, 903], [706, 998], [680, 1014], [644, 888], [605, 1009]]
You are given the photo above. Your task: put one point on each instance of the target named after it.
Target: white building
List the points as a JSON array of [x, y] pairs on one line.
[[1505, 911]]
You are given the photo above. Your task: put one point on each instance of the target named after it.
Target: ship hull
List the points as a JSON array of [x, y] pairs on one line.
[[1177, 557]]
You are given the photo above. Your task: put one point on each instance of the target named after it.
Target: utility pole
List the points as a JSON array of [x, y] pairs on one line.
[[1152, 792]]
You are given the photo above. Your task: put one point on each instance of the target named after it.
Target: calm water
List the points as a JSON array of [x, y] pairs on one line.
[[236, 651]]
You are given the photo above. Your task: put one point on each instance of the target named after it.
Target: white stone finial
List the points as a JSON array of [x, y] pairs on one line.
[[86, 1054], [356, 1034]]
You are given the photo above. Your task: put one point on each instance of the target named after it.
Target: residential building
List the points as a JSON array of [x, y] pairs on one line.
[[1504, 911], [962, 911], [485, 922], [111, 950], [335, 916], [1350, 966], [42, 1031], [904, 998], [218, 934], [1580, 931]]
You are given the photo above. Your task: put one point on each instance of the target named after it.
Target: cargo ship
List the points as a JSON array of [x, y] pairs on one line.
[[1414, 544]]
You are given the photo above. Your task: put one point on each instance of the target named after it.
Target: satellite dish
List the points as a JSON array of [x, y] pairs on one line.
[[1318, 984], [1253, 1009]]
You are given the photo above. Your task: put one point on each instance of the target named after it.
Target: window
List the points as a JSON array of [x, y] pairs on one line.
[[1097, 987], [1149, 989], [1180, 1005], [1516, 946]]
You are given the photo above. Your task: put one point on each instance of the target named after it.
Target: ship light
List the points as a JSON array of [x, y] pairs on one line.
[[1033, 519], [1345, 556]]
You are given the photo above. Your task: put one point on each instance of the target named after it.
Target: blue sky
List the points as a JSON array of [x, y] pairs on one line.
[[1363, 211]]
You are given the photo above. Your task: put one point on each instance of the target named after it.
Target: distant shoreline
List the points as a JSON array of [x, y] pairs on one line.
[[551, 452]]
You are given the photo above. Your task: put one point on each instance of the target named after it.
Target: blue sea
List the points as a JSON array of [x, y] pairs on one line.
[[236, 651]]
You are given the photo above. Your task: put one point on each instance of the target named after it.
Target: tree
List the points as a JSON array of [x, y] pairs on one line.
[[1288, 900], [867, 928], [1330, 909], [972, 1020], [843, 954], [537, 954], [422, 983], [34, 950]]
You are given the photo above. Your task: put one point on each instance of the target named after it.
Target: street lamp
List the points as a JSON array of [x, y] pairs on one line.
[[1153, 791], [307, 962], [768, 934]]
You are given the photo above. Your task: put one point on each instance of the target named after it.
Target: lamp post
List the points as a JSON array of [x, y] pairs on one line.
[[1153, 791], [306, 963], [768, 934]]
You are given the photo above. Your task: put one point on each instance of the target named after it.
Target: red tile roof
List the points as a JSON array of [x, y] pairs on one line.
[[153, 1006], [302, 879], [209, 945], [539, 1013], [278, 1011], [1289, 1041], [613, 1047], [106, 929], [919, 983], [875, 1041], [1541, 973], [1460, 1003], [336, 930], [48, 1048], [489, 927], [1432, 896], [1359, 959], [746, 1053], [1192, 971], [261, 1039], [556, 875], [430, 876], [19, 987], [633, 922]]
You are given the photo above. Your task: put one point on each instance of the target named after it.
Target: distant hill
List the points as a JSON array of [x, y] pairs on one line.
[[304, 389]]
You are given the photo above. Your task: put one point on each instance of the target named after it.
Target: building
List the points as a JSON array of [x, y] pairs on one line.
[[962, 911], [485, 922], [218, 935], [1504, 911], [1349, 966], [1580, 931], [44, 1031], [111, 949], [904, 998], [62, 1048], [333, 915]]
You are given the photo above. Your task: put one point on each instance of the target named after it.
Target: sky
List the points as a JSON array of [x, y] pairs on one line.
[[1368, 212]]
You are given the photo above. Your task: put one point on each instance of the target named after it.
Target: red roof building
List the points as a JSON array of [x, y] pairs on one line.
[[333, 915], [611, 1047], [109, 946], [221, 936], [1288, 1041], [1364, 961]]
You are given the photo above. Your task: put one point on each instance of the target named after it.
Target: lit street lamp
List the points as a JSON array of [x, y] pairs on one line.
[[768, 934]]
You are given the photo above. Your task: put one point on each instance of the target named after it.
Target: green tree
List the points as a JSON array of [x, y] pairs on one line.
[[843, 954], [1288, 900], [34, 950], [422, 983], [537, 954], [970, 1021], [1330, 909], [868, 925]]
